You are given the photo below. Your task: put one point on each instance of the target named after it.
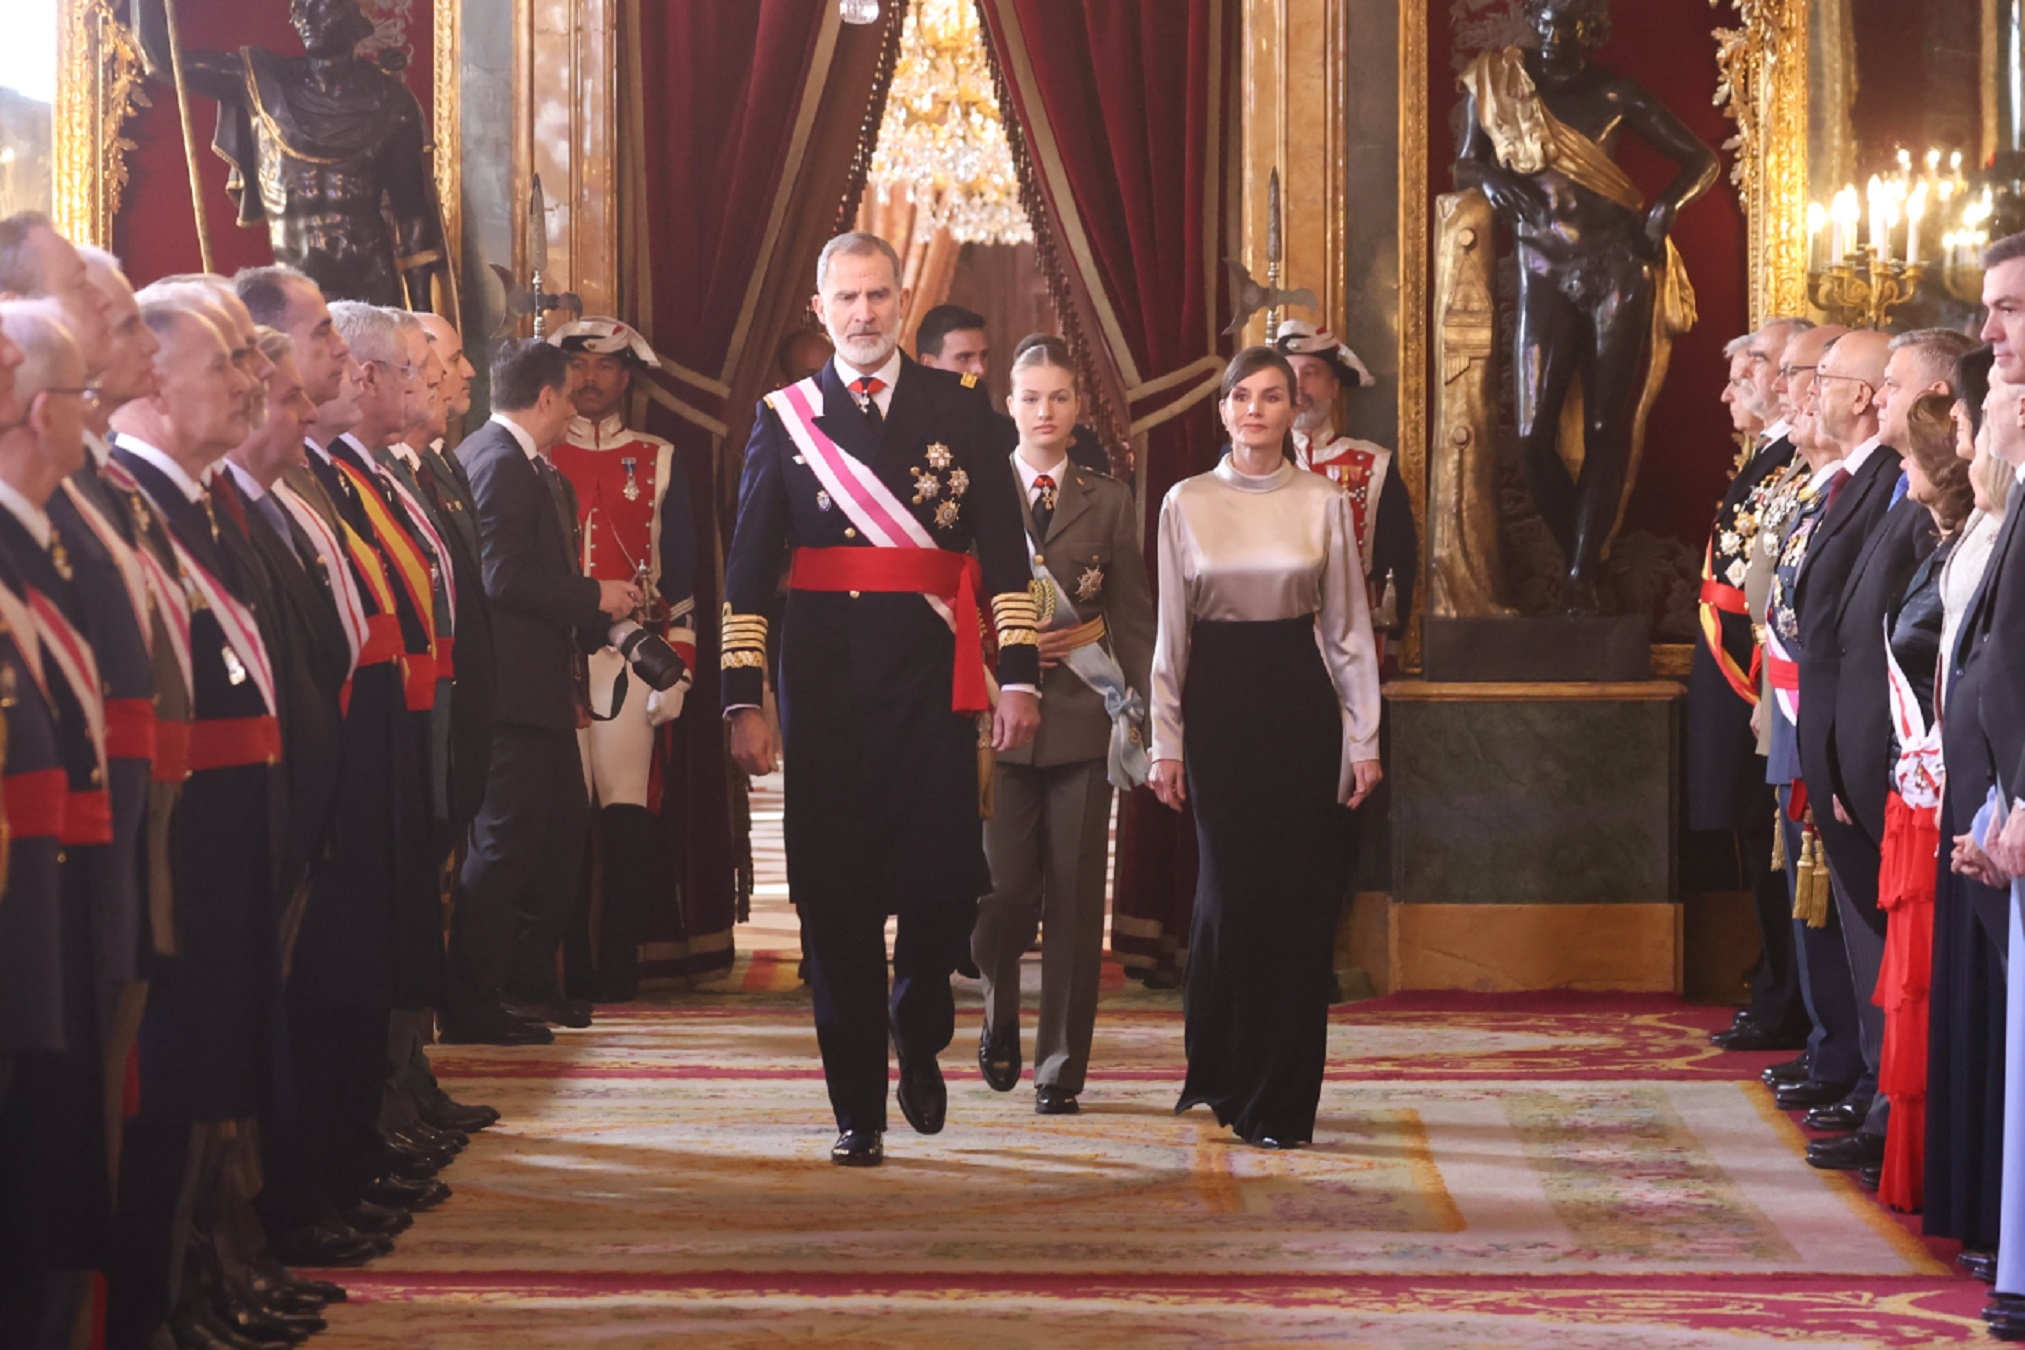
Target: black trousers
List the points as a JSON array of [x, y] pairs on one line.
[[521, 874], [846, 950], [319, 1147], [1776, 1002]]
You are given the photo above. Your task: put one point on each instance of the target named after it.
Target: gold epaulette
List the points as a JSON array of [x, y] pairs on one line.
[[1017, 618], [744, 641]]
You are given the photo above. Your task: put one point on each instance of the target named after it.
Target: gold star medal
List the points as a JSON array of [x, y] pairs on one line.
[[1090, 582], [938, 456]]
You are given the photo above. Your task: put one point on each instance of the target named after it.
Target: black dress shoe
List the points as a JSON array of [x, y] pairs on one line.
[[198, 1328], [414, 1196], [456, 1141], [1846, 1152], [269, 1272], [379, 1220], [1754, 1039], [425, 1160], [329, 1244], [998, 1058], [1785, 1075], [446, 1114], [259, 1327], [1982, 1265], [1738, 1021], [1812, 1093], [923, 1096], [1054, 1102], [491, 1026], [2005, 1317], [1276, 1142], [1870, 1178], [859, 1148], [560, 1012], [1841, 1118]]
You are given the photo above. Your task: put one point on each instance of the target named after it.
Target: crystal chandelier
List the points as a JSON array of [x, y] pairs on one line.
[[942, 142]]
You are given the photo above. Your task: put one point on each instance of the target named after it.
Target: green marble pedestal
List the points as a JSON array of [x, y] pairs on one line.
[[1534, 838]]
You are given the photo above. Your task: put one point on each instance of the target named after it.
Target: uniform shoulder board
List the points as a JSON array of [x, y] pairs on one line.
[[970, 381]]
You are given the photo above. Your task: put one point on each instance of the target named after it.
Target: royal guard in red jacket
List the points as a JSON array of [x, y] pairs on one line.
[[1379, 506], [634, 524]]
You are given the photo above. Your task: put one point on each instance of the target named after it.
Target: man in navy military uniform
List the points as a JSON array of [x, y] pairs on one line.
[[882, 476]]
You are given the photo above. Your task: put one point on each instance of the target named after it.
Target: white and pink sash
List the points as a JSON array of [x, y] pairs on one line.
[[131, 575], [72, 655], [351, 609], [242, 634], [15, 615], [858, 492], [172, 596]]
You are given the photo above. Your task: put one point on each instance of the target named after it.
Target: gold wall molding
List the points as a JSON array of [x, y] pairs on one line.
[[447, 140], [98, 86], [1763, 87], [1413, 290]]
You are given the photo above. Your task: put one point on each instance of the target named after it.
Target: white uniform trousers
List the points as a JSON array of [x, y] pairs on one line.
[[618, 755]]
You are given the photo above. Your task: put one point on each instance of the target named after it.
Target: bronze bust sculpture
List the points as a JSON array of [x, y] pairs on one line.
[[326, 148], [1601, 289]]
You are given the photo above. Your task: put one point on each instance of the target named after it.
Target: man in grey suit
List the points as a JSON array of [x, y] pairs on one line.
[[1047, 833]]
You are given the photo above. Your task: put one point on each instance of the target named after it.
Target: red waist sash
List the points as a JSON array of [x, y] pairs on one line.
[[1726, 598], [231, 742], [383, 639], [951, 577], [87, 818], [130, 728], [36, 803], [446, 658]]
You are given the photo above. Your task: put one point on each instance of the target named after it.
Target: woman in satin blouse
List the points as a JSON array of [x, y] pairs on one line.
[[1265, 711]]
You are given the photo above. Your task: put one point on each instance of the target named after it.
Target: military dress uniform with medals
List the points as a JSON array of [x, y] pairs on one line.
[[882, 682], [55, 1202], [1834, 1055], [1727, 789], [1051, 803], [635, 524]]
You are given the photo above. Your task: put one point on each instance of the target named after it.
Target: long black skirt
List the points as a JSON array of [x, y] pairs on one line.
[[1965, 1059], [1263, 747]]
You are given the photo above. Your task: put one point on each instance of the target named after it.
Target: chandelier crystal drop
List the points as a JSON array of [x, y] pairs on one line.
[[942, 141], [858, 11]]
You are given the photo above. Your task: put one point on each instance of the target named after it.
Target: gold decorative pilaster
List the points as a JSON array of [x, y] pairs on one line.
[[1414, 307], [98, 86], [1763, 87], [447, 138]]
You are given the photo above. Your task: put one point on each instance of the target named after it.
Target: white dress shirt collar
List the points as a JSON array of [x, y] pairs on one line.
[[1775, 433], [100, 448], [32, 517], [245, 481], [188, 486], [1854, 460], [889, 374], [520, 436], [316, 448]]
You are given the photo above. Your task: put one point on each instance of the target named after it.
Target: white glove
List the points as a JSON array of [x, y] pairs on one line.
[[665, 705]]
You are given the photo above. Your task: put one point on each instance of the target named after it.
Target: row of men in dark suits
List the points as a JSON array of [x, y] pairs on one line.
[[1800, 716], [251, 615]]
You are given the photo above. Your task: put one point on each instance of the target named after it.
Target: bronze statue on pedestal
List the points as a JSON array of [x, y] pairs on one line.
[[1602, 292], [328, 148]]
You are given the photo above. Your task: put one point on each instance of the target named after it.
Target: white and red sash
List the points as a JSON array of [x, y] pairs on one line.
[[351, 609], [242, 633], [72, 655], [172, 597], [131, 575], [866, 501], [1782, 672], [18, 620], [1917, 774]]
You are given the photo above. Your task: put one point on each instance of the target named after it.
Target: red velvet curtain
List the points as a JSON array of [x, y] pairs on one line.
[[747, 118], [1120, 110]]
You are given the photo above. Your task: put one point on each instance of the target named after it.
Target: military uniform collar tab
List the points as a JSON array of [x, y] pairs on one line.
[[608, 430]]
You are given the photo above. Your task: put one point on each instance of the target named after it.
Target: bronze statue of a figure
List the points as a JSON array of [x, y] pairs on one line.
[[329, 149], [1601, 288]]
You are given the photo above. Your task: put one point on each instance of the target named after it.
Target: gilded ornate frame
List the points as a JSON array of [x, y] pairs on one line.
[[1414, 293], [1763, 87], [98, 86]]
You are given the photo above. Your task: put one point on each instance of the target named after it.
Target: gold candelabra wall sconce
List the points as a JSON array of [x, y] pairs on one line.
[[1862, 289]]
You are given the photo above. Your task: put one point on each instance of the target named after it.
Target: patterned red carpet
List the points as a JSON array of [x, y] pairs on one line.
[[1511, 1172]]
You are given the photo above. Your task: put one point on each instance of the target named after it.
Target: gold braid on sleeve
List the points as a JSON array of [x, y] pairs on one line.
[[744, 642], [1018, 619]]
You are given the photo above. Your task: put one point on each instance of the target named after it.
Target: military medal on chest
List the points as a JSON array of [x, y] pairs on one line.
[[1090, 582], [932, 483], [631, 492]]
